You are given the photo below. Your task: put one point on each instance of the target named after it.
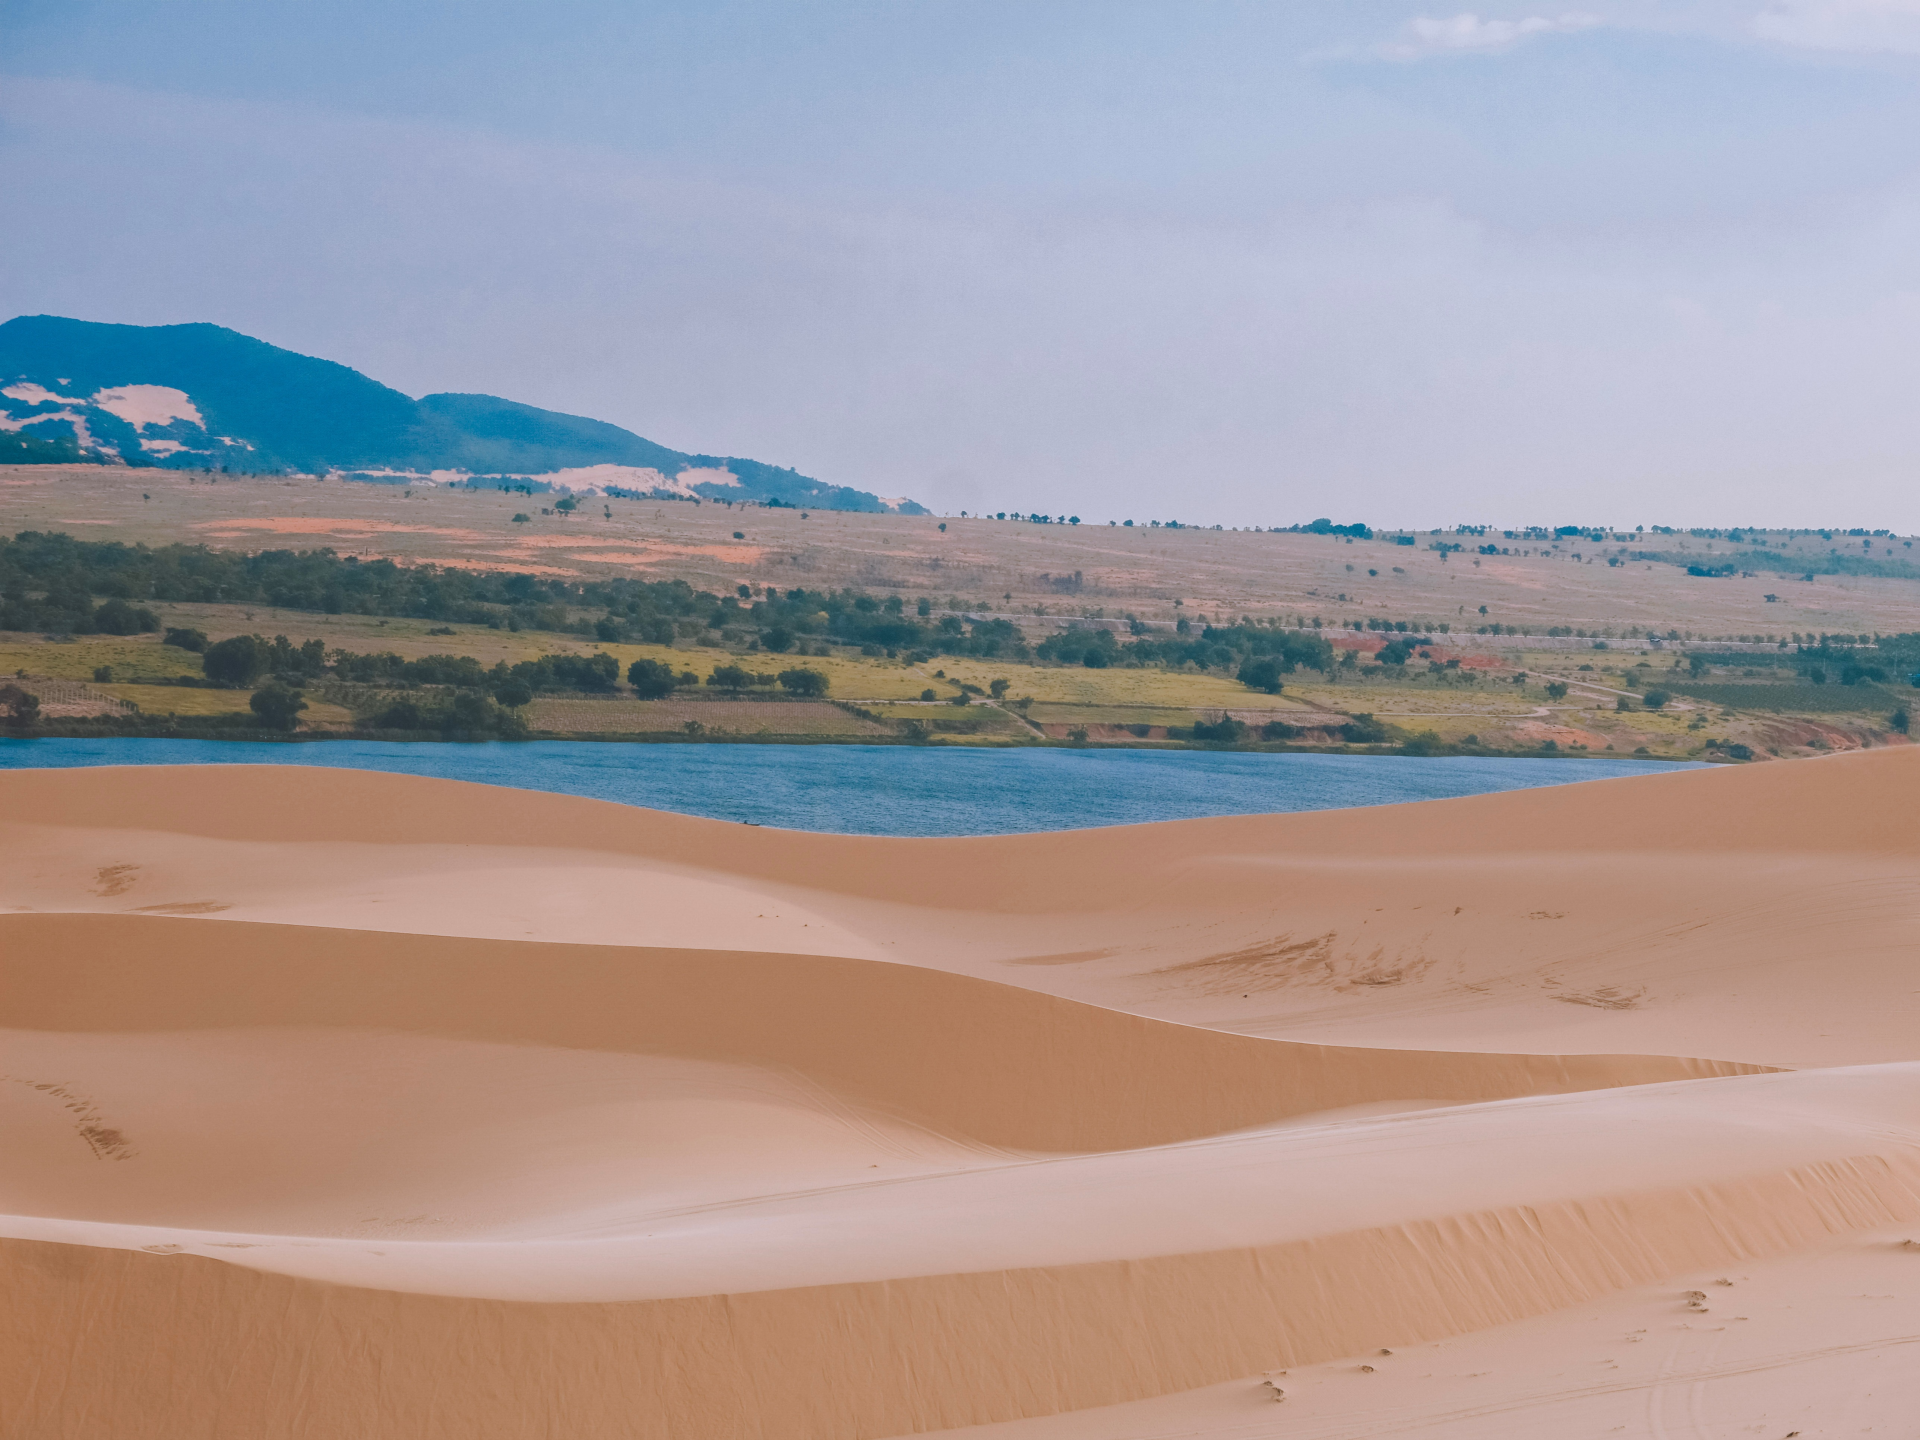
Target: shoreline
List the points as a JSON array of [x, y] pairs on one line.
[[1268, 747]]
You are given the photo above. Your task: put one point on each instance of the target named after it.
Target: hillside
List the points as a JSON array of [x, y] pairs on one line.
[[204, 397]]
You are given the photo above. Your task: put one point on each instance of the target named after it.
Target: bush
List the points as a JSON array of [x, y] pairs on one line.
[[22, 707], [650, 679], [193, 640], [513, 693], [1363, 730], [1900, 720], [597, 673], [239, 661], [1655, 699], [729, 677], [117, 617], [803, 682], [464, 714], [1427, 742], [778, 640], [277, 705], [1557, 690], [1226, 731]]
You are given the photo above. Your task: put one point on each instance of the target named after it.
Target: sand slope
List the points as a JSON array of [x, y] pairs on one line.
[[337, 1103]]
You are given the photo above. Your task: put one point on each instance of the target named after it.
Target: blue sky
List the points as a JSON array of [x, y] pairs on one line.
[[1622, 264]]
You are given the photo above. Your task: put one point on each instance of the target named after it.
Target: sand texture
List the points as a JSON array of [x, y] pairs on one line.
[[338, 1104]]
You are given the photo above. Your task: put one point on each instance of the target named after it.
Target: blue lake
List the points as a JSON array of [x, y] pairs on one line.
[[885, 789]]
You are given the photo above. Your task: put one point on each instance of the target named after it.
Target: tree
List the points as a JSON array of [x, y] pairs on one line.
[[1900, 720], [191, 640], [513, 692], [999, 688], [729, 677], [803, 682], [1655, 699], [567, 506], [650, 679], [22, 707], [779, 639], [1556, 690], [1262, 673], [238, 661], [277, 705]]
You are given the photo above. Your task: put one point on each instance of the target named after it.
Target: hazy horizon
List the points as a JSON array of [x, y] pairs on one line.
[[1622, 264]]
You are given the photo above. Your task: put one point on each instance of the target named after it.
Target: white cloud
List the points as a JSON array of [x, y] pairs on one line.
[[1869, 25], [1467, 33]]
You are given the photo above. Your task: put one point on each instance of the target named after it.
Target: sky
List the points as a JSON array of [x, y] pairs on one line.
[[1646, 262]]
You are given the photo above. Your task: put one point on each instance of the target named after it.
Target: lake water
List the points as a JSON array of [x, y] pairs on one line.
[[885, 789]]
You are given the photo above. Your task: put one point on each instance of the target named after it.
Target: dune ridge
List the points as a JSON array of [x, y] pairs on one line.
[[356, 1104]]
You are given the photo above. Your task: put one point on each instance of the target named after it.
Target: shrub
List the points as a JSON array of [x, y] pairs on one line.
[[1556, 690], [1226, 730], [803, 682], [192, 640], [1655, 699], [117, 617], [22, 707], [729, 677], [277, 705], [1363, 730]]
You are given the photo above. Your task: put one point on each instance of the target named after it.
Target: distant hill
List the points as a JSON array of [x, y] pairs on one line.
[[200, 396]]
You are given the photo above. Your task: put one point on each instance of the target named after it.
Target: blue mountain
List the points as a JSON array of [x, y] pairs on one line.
[[204, 397]]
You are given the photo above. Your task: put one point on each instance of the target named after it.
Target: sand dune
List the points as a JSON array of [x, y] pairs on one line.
[[338, 1103]]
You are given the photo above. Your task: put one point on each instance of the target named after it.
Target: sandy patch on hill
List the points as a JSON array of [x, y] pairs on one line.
[[321, 525]]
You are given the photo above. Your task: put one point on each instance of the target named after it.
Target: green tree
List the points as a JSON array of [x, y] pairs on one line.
[[277, 705], [22, 707], [236, 662], [999, 688], [514, 692], [803, 682], [1655, 699], [778, 639], [729, 677], [650, 679], [190, 640], [1261, 673], [1556, 690]]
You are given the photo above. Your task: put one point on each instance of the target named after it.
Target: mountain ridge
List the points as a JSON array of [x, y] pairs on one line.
[[198, 395]]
